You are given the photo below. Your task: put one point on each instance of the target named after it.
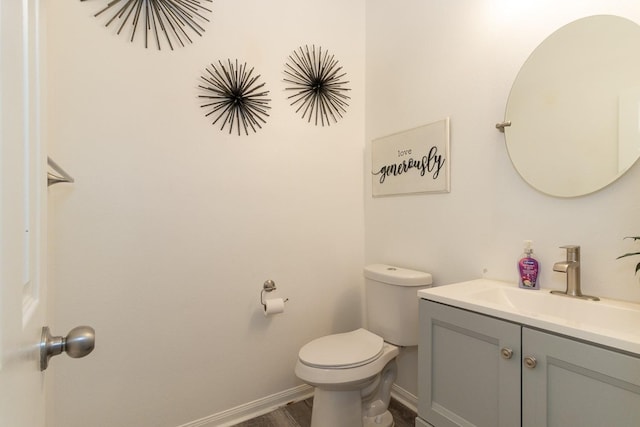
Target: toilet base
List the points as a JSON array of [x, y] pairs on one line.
[[384, 420], [352, 397], [344, 409], [336, 408]]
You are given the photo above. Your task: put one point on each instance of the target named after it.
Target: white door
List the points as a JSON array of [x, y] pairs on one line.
[[22, 208]]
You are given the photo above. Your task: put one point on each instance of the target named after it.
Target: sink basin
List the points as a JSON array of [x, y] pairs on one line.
[[606, 322]]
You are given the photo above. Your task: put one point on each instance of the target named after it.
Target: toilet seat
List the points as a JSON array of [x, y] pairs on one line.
[[342, 351]]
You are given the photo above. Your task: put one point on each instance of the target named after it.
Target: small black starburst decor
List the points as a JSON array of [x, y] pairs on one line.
[[318, 85], [161, 21], [234, 96]]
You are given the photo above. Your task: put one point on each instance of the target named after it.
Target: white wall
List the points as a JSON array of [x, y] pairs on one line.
[[430, 59], [164, 241]]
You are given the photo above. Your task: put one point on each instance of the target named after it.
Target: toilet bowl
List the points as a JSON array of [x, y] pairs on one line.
[[347, 373], [353, 372]]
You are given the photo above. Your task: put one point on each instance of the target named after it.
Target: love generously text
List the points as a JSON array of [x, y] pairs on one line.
[[432, 163]]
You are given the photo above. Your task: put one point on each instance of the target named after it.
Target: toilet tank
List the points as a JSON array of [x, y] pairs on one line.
[[392, 302]]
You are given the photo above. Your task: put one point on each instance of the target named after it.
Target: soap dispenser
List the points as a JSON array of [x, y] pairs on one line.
[[528, 268]]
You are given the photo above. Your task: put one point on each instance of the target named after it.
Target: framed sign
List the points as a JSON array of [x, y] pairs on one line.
[[413, 161]]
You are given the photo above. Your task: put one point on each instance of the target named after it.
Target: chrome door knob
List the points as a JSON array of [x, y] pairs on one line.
[[79, 342]]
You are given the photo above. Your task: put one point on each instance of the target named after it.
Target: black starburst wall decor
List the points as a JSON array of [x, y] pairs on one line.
[[318, 85], [234, 96], [167, 22]]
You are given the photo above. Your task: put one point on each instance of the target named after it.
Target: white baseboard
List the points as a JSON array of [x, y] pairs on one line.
[[403, 396], [267, 404], [253, 409]]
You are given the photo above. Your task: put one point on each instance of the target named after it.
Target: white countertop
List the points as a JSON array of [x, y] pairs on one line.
[[606, 322]]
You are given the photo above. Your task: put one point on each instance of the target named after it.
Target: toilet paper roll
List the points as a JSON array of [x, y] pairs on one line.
[[273, 306]]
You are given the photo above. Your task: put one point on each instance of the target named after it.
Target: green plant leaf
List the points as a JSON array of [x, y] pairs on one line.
[[635, 238]]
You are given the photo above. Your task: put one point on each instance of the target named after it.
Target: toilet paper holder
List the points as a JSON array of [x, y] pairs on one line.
[[268, 286]]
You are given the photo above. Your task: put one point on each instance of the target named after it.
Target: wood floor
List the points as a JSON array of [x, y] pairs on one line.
[[299, 415]]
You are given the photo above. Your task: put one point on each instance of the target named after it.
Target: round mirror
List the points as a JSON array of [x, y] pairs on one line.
[[574, 107]]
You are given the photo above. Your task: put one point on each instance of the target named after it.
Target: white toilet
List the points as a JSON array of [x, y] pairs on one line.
[[353, 372]]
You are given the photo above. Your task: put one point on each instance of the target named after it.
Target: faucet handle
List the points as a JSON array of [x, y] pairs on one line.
[[573, 252]]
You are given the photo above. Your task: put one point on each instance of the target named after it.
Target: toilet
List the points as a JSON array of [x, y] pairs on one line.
[[353, 372]]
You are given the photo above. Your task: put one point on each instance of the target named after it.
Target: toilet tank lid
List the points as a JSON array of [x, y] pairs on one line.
[[396, 275]]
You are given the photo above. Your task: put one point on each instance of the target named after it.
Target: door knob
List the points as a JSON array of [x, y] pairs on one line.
[[79, 342]]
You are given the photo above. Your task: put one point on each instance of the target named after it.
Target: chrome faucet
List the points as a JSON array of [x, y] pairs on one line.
[[571, 267]]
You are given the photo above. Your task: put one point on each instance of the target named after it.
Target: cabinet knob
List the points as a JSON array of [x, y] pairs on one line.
[[506, 353], [530, 362]]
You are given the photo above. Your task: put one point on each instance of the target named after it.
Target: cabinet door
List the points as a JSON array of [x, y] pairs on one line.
[[464, 378], [577, 384]]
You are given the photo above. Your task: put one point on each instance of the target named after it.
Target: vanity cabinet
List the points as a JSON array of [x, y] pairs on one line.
[[469, 369], [476, 370], [577, 384]]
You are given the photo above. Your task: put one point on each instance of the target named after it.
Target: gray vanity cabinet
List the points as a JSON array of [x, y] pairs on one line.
[[577, 384], [476, 370], [469, 367]]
